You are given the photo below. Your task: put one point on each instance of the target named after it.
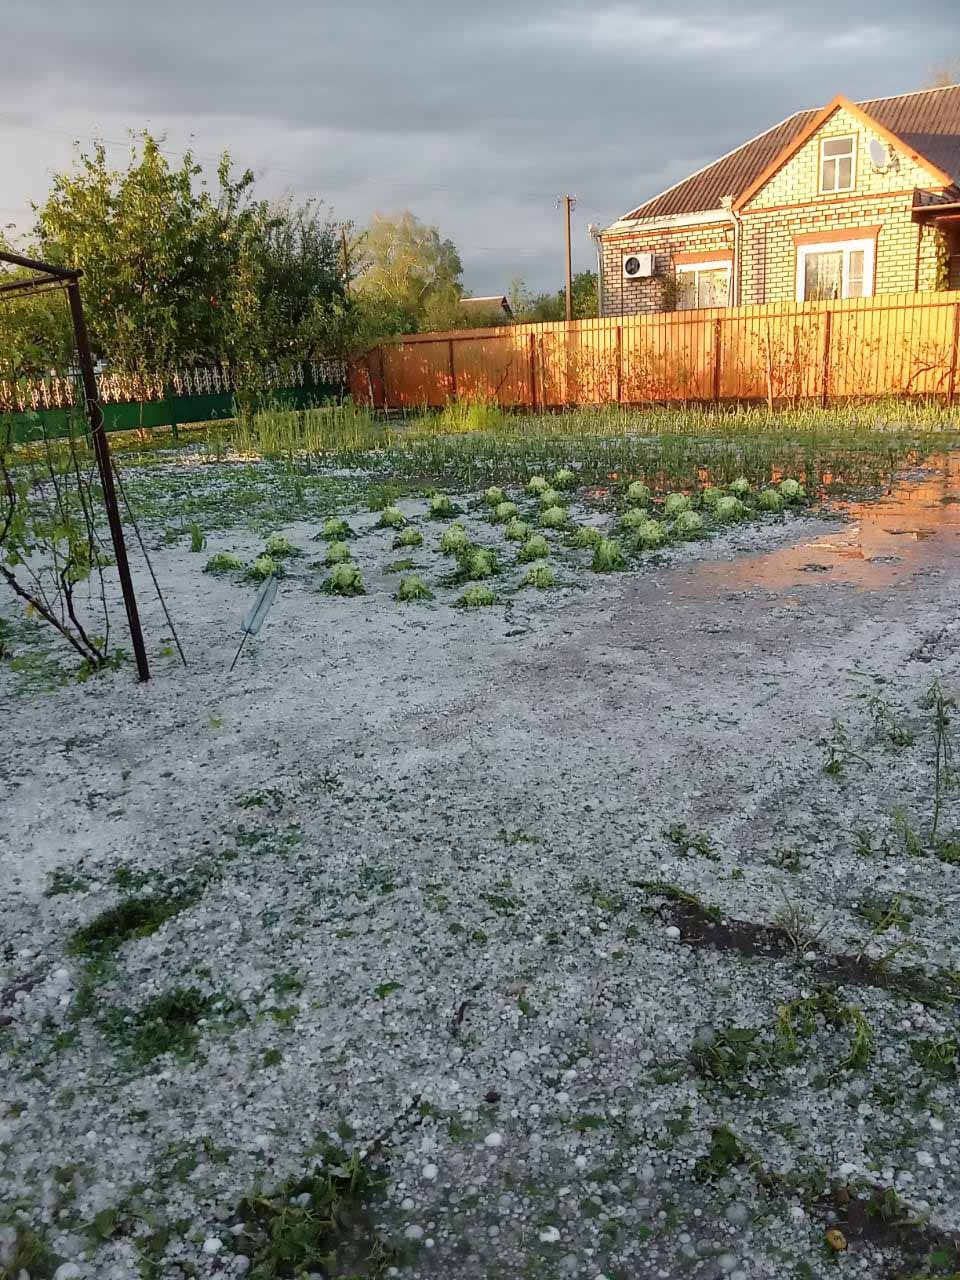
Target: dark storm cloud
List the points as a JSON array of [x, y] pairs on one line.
[[476, 116]]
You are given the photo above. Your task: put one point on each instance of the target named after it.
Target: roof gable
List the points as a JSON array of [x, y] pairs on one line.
[[925, 125]]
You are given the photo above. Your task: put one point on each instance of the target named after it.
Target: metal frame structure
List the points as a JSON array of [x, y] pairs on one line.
[[47, 277]]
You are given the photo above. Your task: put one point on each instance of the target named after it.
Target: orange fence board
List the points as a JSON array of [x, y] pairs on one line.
[[902, 344]]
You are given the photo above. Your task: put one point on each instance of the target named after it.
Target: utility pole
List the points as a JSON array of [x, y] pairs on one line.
[[569, 204]]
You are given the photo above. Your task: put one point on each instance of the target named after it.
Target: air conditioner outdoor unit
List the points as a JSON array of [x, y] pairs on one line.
[[637, 266]]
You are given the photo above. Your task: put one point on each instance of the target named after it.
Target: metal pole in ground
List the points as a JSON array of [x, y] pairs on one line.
[[101, 448], [568, 204]]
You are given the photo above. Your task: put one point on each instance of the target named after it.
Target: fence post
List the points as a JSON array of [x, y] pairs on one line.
[[716, 360], [619, 363], [453, 370], [825, 373], [533, 370], [952, 384]]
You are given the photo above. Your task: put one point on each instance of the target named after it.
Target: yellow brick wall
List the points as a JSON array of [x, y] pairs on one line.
[[640, 297]]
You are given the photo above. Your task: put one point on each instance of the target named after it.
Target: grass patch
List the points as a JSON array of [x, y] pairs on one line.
[[167, 1024], [130, 919]]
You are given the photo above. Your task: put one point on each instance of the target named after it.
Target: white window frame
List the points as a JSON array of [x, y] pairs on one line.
[[839, 137], [714, 264], [846, 247]]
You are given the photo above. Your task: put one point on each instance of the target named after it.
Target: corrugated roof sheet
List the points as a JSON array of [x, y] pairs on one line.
[[928, 122]]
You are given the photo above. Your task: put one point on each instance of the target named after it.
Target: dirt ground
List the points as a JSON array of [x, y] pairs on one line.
[[449, 882]]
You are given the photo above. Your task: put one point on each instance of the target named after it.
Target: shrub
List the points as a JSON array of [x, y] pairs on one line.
[[634, 518], [335, 530], [494, 496], [505, 511], [771, 500], [608, 555], [565, 479], [476, 598], [336, 553], [730, 509], [650, 534], [478, 563], [278, 547], [537, 484], [197, 540], [792, 490], [711, 496], [263, 567], [638, 494], [223, 562], [441, 508], [553, 518], [344, 580], [689, 524], [391, 518], [675, 503], [536, 547], [550, 498], [454, 540], [409, 538], [587, 536], [413, 588], [517, 531], [539, 575], [739, 487]]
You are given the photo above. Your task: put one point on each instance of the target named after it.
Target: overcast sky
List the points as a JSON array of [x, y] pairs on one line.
[[475, 116]]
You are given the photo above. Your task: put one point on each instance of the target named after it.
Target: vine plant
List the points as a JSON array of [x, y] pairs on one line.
[[51, 554]]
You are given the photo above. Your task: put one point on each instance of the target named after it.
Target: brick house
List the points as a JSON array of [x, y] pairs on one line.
[[849, 201]]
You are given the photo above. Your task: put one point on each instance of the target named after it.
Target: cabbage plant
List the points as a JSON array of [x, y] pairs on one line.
[[565, 479], [608, 555], [730, 509], [278, 547], [638, 494], [223, 562], [771, 500], [550, 498], [587, 536], [517, 531], [650, 534], [792, 490], [344, 580], [739, 487], [335, 530], [409, 538], [553, 518], [494, 496], [263, 567], [505, 511], [688, 524], [454, 539], [634, 518], [440, 507], [537, 484], [711, 495], [391, 518], [477, 562], [476, 598], [413, 588], [539, 575], [675, 503], [536, 547], [336, 553]]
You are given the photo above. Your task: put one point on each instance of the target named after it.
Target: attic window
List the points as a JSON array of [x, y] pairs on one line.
[[838, 163]]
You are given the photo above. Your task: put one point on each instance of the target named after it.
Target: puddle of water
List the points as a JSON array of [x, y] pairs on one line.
[[914, 526]]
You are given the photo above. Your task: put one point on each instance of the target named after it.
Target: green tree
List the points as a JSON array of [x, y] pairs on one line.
[[406, 272], [540, 308], [36, 336]]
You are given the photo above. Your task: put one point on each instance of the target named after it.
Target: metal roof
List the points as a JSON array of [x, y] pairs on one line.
[[928, 122]]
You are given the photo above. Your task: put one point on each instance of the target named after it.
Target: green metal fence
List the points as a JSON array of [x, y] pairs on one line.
[[49, 407]]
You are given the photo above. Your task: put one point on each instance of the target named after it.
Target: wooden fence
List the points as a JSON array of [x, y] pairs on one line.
[[893, 345]]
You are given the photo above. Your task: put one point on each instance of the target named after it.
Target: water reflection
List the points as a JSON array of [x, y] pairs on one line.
[[915, 525]]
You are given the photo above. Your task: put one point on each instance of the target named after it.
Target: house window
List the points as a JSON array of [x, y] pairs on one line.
[[838, 163], [703, 284], [842, 269]]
